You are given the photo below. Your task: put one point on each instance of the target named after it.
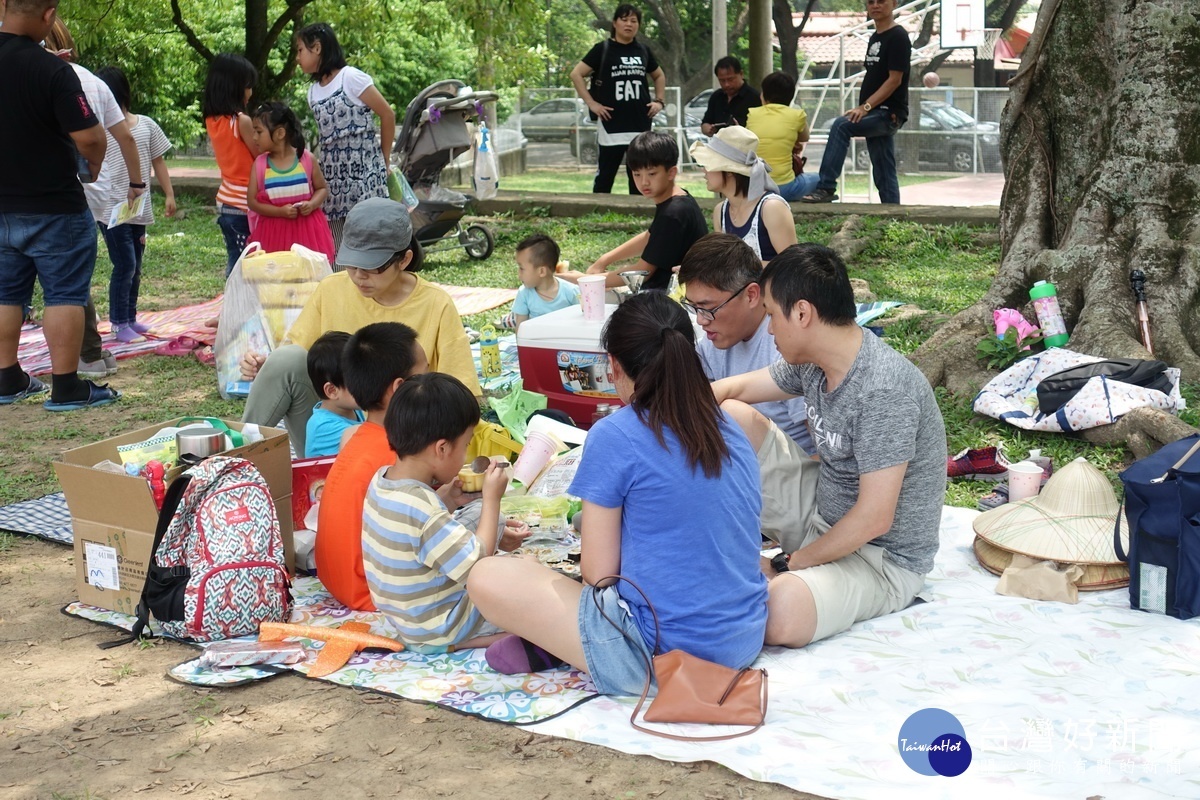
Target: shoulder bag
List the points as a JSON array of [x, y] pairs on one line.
[[691, 689]]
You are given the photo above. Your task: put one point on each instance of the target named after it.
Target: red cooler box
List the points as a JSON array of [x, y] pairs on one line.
[[561, 357]]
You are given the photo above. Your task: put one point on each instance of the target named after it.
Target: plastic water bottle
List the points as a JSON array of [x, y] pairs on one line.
[[602, 411], [1045, 303], [489, 352]]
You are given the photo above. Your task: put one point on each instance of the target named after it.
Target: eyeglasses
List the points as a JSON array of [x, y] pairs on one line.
[[710, 314], [376, 271]]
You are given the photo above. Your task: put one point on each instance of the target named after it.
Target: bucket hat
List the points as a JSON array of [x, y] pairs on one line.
[[376, 229], [735, 149], [1070, 522]]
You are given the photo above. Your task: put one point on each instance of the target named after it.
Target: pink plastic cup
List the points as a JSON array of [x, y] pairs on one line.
[[539, 449], [1024, 480], [591, 297]]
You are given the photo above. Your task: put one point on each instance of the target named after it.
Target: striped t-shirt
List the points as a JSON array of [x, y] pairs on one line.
[[287, 185], [416, 558]]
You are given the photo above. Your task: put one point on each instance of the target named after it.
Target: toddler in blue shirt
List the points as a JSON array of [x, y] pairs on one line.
[[541, 290], [338, 410]]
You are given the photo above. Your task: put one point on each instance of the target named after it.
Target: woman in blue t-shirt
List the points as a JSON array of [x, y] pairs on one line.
[[671, 500]]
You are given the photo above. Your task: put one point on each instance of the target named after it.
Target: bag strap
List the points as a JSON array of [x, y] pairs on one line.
[[637, 709], [1117, 548], [170, 505], [1191, 452]]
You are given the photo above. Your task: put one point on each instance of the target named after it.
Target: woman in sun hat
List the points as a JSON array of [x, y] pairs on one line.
[[379, 256], [753, 210]]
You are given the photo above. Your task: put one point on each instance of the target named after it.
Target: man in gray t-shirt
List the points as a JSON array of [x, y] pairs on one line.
[[869, 529], [720, 275]]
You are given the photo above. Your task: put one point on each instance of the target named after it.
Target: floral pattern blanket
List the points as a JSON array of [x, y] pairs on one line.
[[461, 681]]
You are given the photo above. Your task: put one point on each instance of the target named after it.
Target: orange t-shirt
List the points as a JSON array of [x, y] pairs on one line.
[[340, 519], [233, 160]]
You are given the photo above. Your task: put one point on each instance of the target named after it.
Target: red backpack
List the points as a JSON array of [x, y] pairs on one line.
[[217, 569]]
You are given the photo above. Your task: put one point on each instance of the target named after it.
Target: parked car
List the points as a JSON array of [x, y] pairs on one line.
[[585, 148], [945, 136], [548, 121], [698, 105]]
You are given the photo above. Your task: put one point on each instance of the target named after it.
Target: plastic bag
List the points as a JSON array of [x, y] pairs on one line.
[[264, 295], [514, 409], [541, 514], [400, 190], [487, 168]]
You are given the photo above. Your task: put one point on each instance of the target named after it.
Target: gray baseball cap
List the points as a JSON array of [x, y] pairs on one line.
[[376, 230]]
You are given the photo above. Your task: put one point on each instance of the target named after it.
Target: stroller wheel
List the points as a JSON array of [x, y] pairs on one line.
[[477, 241]]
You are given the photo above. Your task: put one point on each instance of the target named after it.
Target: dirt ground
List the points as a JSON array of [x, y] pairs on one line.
[[80, 722]]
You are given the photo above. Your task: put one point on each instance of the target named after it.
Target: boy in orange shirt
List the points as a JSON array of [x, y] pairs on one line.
[[377, 359], [375, 362]]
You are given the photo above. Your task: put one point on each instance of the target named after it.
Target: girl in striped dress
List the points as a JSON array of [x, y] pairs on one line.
[[286, 187]]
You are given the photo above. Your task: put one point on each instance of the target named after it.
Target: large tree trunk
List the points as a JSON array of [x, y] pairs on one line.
[[1101, 145]]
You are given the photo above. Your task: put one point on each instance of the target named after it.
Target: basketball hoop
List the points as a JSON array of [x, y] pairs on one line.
[[987, 49]]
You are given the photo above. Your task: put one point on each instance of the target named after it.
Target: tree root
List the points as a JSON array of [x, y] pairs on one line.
[[848, 241], [1143, 430]]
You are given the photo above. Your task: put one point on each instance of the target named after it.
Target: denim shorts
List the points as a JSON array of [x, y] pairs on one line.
[[59, 250], [616, 665]]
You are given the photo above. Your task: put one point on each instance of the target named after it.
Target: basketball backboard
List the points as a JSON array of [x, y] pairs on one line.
[[962, 23]]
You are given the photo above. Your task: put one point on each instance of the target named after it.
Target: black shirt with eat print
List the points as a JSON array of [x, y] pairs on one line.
[[623, 75]]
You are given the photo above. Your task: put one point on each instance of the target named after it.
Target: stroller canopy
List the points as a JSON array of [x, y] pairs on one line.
[[435, 129]]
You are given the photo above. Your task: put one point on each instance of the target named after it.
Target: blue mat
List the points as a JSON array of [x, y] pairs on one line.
[[46, 517]]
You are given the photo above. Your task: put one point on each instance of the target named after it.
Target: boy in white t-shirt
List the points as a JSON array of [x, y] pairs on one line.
[[542, 291]]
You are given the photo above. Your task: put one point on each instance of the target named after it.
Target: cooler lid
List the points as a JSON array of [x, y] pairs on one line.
[[564, 329]]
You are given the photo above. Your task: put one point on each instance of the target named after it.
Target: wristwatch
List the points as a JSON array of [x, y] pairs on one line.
[[866, 106], [780, 562], [661, 102]]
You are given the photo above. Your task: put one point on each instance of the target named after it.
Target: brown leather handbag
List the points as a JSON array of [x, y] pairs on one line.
[[691, 689]]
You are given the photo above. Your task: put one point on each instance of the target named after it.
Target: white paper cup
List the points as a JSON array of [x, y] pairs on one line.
[[591, 297], [1024, 480], [539, 449]]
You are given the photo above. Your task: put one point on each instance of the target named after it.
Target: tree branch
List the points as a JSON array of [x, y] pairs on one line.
[[190, 35]]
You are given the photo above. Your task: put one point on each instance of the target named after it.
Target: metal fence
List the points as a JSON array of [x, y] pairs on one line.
[[950, 129]]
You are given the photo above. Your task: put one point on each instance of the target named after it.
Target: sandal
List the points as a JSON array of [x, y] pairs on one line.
[[35, 387], [97, 396], [179, 346], [996, 498], [206, 356]]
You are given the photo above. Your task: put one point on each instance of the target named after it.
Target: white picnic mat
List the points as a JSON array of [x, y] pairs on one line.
[[1056, 700]]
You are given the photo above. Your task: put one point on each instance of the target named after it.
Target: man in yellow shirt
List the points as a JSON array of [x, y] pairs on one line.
[[380, 256], [782, 132]]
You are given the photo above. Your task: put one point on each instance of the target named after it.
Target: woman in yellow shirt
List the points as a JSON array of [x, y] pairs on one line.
[[782, 133], [380, 257]]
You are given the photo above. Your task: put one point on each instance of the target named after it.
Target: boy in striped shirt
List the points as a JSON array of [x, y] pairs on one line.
[[416, 555]]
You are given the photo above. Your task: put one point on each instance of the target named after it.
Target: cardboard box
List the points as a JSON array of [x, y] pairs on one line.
[[113, 516]]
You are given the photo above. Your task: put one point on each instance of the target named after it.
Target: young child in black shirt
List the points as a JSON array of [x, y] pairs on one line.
[[678, 220]]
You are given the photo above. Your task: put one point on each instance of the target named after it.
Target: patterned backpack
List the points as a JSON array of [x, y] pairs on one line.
[[218, 567]]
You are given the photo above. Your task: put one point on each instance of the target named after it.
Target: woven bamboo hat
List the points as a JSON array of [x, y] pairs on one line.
[[1070, 522]]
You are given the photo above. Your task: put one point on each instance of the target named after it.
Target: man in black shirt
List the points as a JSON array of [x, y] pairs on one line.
[[46, 230], [732, 103], [882, 109]]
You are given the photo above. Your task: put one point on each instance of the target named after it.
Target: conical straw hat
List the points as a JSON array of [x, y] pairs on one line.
[[1071, 521], [1096, 577]]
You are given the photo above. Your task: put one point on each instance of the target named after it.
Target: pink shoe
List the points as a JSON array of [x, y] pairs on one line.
[[126, 334]]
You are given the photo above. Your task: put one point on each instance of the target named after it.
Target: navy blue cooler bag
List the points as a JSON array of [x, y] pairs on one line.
[[1162, 506]]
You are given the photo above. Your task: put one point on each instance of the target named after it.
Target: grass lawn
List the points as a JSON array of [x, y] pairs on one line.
[[937, 268]]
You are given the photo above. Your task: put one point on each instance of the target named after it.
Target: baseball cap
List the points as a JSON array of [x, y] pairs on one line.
[[375, 231]]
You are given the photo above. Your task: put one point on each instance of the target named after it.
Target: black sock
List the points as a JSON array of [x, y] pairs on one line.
[[68, 388], [13, 379]]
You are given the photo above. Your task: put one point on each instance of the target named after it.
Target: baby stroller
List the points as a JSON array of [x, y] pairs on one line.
[[437, 127]]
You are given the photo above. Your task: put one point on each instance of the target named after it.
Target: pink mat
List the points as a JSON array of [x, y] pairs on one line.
[[34, 356]]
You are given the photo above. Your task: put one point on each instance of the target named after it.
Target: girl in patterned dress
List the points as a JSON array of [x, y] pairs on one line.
[[286, 188], [354, 154]]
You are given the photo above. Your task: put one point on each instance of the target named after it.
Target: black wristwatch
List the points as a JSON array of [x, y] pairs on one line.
[[780, 562]]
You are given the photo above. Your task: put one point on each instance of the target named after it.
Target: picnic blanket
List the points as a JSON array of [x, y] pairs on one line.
[[45, 517], [460, 681], [34, 355], [1056, 700]]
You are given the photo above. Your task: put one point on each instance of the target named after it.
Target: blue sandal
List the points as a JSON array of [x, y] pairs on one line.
[[97, 396], [35, 387]]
